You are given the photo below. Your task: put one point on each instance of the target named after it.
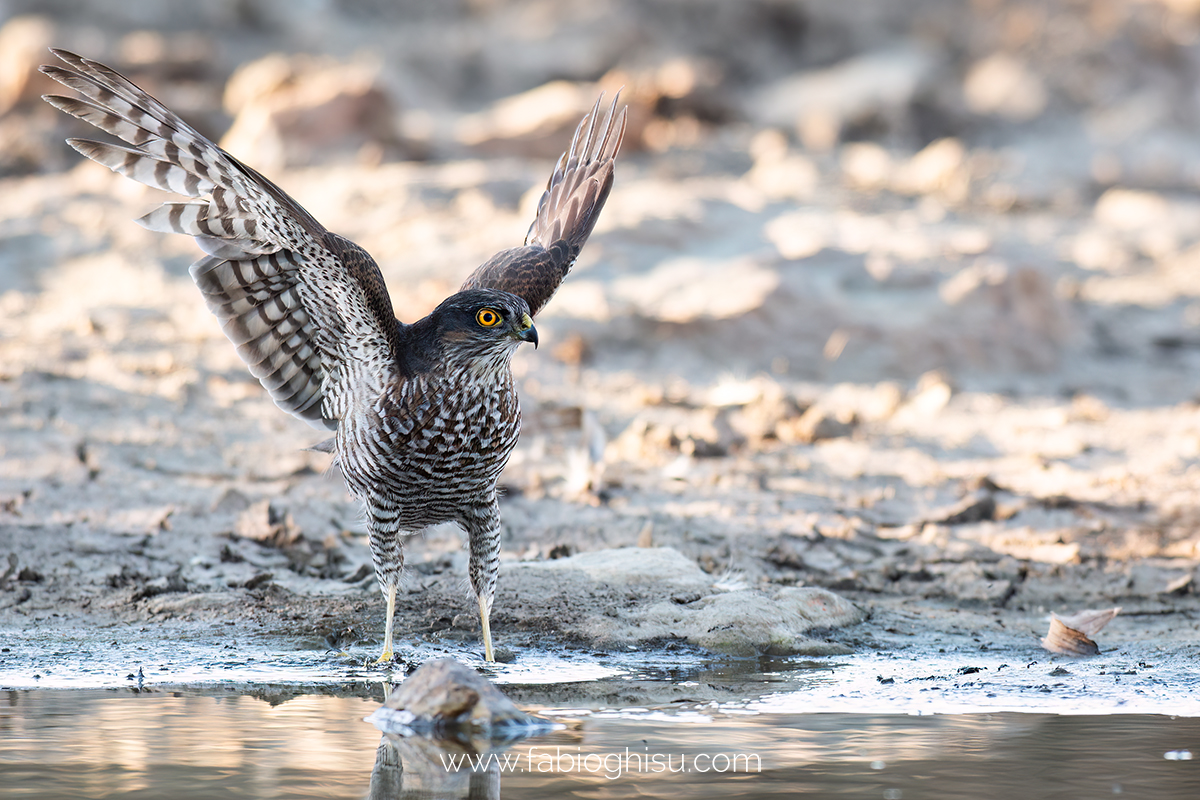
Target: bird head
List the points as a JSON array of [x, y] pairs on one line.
[[480, 328]]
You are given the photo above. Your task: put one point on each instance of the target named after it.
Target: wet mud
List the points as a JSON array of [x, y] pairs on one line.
[[931, 353]]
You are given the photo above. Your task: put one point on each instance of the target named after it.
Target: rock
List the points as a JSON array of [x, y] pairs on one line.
[[940, 168], [231, 501], [760, 418], [29, 137], [820, 104], [662, 566], [586, 461], [140, 521], [976, 507], [689, 289], [750, 622], [540, 122], [708, 434], [932, 393], [661, 594], [866, 166], [778, 173], [663, 103], [1006, 316], [444, 711], [1088, 408], [813, 425], [1131, 209], [533, 123], [970, 583], [23, 44], [802, 233], [1003, 86], [9, 571], [1100, 249], [745, 622], [699, 433], [880, 401], [301, 111], [444, 697]]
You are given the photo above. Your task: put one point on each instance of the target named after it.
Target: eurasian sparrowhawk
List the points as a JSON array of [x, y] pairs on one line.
[[425, 414]]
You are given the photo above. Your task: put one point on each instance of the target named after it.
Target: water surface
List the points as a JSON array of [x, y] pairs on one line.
[[287, 744]]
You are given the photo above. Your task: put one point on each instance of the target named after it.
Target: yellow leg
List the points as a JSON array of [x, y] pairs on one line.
[[485, 613], [386, 656]]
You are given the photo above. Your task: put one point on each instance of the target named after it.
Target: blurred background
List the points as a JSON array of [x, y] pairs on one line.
[[863, 261], [847, 190]]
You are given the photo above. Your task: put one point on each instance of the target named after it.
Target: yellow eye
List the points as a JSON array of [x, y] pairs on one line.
[[488, 317]]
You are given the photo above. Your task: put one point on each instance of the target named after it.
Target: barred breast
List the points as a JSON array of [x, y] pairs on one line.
[[430, 447]]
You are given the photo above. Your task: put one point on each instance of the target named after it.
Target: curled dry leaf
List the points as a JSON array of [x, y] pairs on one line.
[[1070, 635], [1068, 641], [1089, 622]]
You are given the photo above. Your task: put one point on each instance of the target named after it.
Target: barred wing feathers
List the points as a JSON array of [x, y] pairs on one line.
[[305, 308], [566, 214]]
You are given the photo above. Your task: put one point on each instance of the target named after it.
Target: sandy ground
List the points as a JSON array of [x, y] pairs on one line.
[[908, 313]]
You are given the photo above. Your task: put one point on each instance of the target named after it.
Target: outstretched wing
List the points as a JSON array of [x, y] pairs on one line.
[[305, 308], [566, 214]]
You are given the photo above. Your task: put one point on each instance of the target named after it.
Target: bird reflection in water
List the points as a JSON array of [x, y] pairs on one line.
[[440, 728], [412, 767]]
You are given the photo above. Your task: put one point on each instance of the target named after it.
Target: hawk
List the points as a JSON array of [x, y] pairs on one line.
[[424, 414]]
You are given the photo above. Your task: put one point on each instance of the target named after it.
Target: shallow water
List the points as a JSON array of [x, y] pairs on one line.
[[183, 719], [1138, 679], [188, 744], [923, 725]]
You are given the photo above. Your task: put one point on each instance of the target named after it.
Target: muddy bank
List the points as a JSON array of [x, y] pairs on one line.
[[931, 350]]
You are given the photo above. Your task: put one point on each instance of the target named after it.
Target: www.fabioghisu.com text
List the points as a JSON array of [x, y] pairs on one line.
[[611, 765]]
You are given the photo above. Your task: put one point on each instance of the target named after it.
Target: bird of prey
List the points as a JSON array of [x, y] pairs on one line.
[[424, 414]]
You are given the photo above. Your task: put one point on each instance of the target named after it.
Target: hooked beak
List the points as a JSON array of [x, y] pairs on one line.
[[525, 331]]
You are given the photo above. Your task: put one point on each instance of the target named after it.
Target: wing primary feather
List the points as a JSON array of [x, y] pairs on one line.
[[567, 212], [307, 310]]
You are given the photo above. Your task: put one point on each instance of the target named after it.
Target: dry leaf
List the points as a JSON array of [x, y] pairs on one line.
[[1090, 621], [140, 521], [264, 523], [1180, 585], [1069, 635]]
